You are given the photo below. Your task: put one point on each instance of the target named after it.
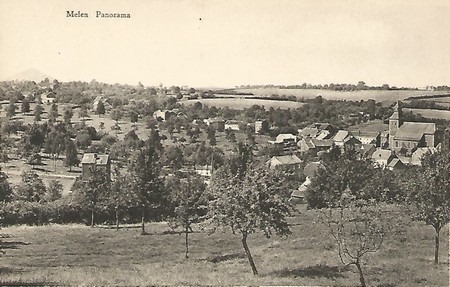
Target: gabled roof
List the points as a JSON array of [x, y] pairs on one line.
[[382, 154], [309, 132], [285, 160], [282, 137], [366, 134], [322, 143], [341, 135], [93, 158], [311, 169], [395, 163], [367, 149], [414, 131]]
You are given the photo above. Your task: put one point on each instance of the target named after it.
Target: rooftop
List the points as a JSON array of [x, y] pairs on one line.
[[414, 131], [93, 158]]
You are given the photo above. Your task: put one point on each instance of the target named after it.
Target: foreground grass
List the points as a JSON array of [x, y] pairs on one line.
[[80, 255]]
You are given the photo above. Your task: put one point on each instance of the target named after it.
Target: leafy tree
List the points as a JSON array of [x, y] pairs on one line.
[[173, 157], [83, 112], [34, 159], [100, 108], [54, 191], [429, 197], [38, 112], [31, 188], [68, 114], [53, 114], [116, 115], [6, 191], [146, 181], [190, 203], [119, 196], [83, 140], [93, 190], [55, 143], [25, 107], [134, 117], [71, 154], [211, 134], [11, 110], [249, 203]]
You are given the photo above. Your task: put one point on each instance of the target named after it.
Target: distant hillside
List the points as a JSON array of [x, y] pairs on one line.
[[29, 75]]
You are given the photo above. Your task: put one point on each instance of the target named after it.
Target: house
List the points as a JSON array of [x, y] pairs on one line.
[[340, 137], [162, 115], [99, 162], [395, 164], [409, 135], [368, 137], [232, 125], [217, 123], [314, 145], [48, 98], [99, 99], [284, 161], [261, 126], [310, 170], [285, 139], [366, 150], [382, 157], [319, 131], [417, 155]]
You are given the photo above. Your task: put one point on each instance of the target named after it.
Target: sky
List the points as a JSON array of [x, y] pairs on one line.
[[210, 43]]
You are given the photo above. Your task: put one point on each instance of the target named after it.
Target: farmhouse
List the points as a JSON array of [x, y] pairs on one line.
[[368, 137], [284, 161], [314, 145], [285, 139], [416, 157], [99, 162], [217, 123], [382, 157], [409, 135]]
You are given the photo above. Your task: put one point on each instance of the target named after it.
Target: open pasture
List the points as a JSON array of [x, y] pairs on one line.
[[386, 97], [242, 103], [432, 114], [80, 255]]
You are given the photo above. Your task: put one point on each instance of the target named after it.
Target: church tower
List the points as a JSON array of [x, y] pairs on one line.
[[395, 121]]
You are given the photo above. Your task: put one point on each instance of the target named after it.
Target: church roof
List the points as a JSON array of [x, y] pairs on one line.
[[414, 131]]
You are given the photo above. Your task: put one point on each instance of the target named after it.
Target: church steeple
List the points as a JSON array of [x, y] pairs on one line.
[[395, 121]]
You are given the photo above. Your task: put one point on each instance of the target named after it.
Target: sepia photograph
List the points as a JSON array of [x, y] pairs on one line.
[[224, 143]]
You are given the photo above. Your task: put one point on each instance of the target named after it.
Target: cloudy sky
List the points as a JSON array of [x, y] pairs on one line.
[[207, 43]]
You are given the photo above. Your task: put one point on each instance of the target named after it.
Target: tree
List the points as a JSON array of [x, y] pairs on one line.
[[6, 191], [68, 114], [11, 110], [258, 201], [353, 199], [100, 108], [83, 112], [211, 134], [93, 190], [55, 143], [188, 198], [116, 115], [31, 188], [53, 114], [358, 227], [173, 157], [146, 181], [54, 191], [71, 154], [38, 112], [25, 107], [429, 197], [134, 117], [119, 196]]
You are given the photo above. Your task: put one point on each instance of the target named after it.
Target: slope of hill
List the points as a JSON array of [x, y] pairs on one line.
[[29, 75]]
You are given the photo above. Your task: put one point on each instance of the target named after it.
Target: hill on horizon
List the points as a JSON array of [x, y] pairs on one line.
[[29, 75]]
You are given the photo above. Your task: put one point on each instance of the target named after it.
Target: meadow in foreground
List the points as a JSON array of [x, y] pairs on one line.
[[81, 255]]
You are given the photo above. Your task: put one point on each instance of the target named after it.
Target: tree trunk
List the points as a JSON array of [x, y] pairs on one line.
[[143, 221], [186, 256], [92, 217], [117, 218], [436, 247], [361, 275], [249, 255]]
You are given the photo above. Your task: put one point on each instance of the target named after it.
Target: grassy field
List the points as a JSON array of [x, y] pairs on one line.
[[240, 103], [386, 97], [80, 255], [371, 126], [432, 114]]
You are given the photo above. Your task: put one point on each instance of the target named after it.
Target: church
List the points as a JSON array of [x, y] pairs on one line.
[[409, 135]]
